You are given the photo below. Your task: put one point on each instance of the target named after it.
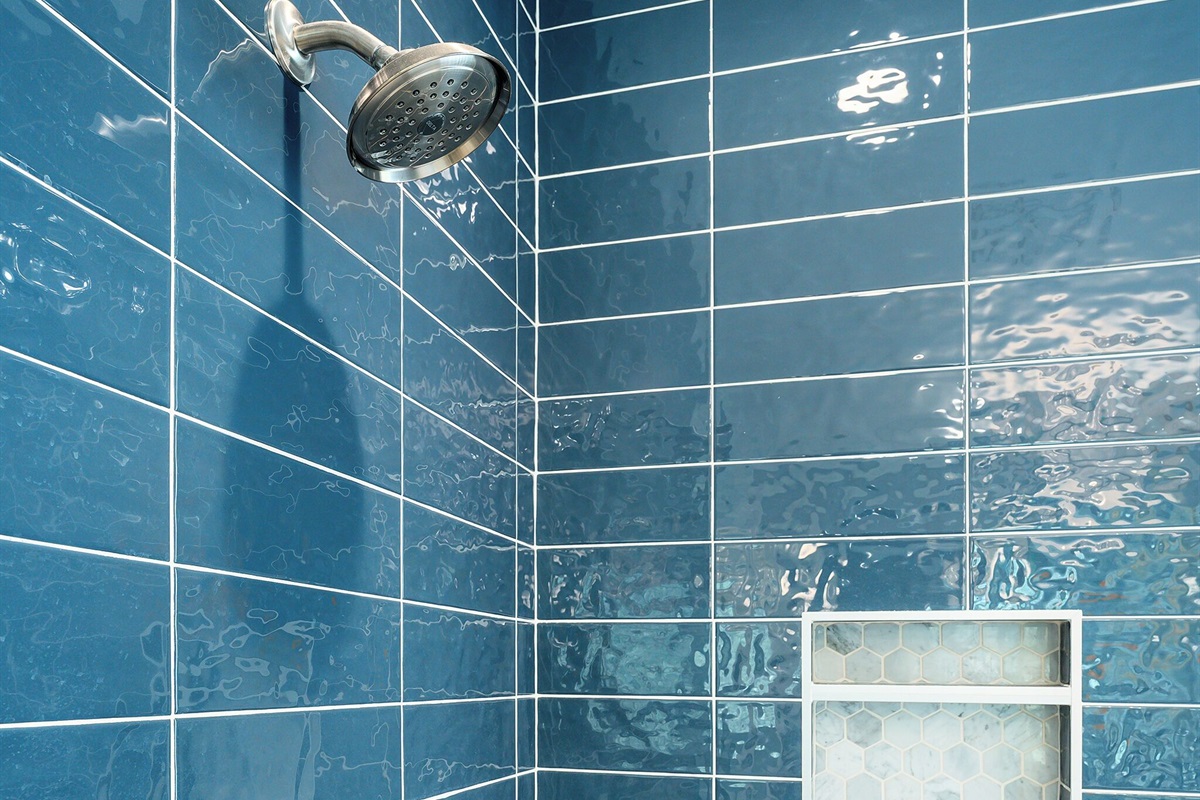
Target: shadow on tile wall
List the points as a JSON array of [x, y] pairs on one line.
[[827, 326]]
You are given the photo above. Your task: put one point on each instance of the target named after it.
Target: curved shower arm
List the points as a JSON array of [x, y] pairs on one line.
[[294, 41]]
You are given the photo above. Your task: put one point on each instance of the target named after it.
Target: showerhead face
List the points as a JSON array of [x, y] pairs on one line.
[[425, 110]]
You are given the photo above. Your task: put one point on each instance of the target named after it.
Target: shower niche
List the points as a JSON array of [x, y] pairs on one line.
[[947, 705]]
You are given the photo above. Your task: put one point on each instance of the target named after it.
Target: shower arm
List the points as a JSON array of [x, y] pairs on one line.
[[294, 41]]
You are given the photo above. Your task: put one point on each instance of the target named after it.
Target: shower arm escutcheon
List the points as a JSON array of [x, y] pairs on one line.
[[294, 41]]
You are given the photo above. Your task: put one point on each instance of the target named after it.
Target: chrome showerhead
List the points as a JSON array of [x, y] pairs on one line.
[[424, 110]]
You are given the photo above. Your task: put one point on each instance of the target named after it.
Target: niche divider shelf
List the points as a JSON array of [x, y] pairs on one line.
[[951, 705]]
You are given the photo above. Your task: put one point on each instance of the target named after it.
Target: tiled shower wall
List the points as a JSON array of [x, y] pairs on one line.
[[230, 368], [862, 305]]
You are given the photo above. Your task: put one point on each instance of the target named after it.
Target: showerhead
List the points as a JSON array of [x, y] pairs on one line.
[[424, 109]]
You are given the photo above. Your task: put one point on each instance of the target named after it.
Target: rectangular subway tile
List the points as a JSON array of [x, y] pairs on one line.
[[902, 330], [625, 735], [1105, 574], [245, 509], [624, 431], [842, 254], [340, 753], [644, 505], [456, 745], [889, 86], [83, 467], [526, 662], [746, 34], [624, 203], [84, 637], [917, 411], [1131, 398], [1154, 486], [1038, 147], [622, 128], [121, 761], [622, 355], [247, 644], [79, 295], [759, 738], [758, 790], [1118, 50], [140, 41], [624, 582], [622, 52], [758, 659], [241, 370], [447, 562], [912, 495], [869, 169], [526, 738], [998, 12], [77, 120], [1142, 749], [598, 659], [611, 786], [527, 588], [784, 579], [1125, 223], [631, 278], [1141, 661], [565, 12], [1090, 314], [454, 656]]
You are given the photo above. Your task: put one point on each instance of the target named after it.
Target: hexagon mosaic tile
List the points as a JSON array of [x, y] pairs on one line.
[[947, 653], [931, 751]]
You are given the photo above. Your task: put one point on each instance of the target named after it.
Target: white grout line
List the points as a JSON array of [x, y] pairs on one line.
[[968, 506], [633, 13], [714, 673]]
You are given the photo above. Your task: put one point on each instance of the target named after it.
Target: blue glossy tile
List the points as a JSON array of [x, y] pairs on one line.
[[244, 509], [236, 230], [859, 497], [464, 22], [996, 12], [82, 467], [624, 582], [623, 355], [607, 786], [444, 375], [625, 203], [870, 169], [745, 34], [495, 166], [439, 277], [788, 578], [762, 739], [454, 745], [919, 411], [77, 294], [348, 753], [611, 129], [1141, 661], [625, 51], [633, 278], [758, 659], [1100, 313], [116, 762], [231, 88], [658, 659], [526, 431], [1118, 50], [526, 737], [459, 204], [526, 583], [382, 19], [1078, 228], [623, 431], [526, 219], [452, 656], [77, 120], [246, 644], [1133, 398], [525, 507], [886, 86], [1037, 147], [447, 562], [1154, 486], [758, 790], [139, 38], [526, 355], [632, 735], [1108, 574], [1141, 748], [901, 330], [645, 505], [563, 12], [448, 470], [84, 636], [243, 371], [526, 663], [841, 254], [527, 786]]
